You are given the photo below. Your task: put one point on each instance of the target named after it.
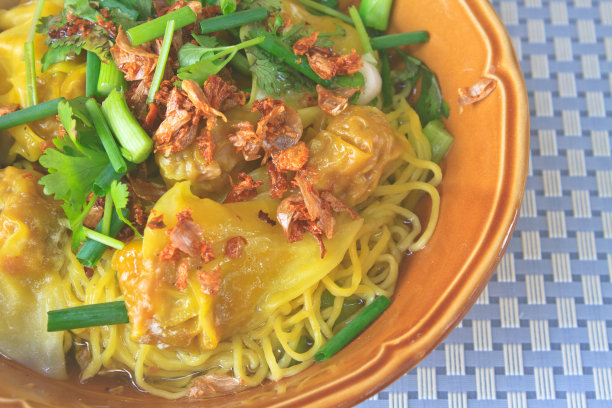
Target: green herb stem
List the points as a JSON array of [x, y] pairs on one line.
[[326, 10], [353, 329], [155, 28], [375, 13], [101, 314], [106, 137], [29, 57], [30, 72], [237, 19], [397, 40], [37, 13], [279, 50], [136, 144], [109, 78], [439, 139], [92, 74], [91, 251], [161, 61], [361, 30], [30, 114], [107, 216], [103, 239], [385, 73]]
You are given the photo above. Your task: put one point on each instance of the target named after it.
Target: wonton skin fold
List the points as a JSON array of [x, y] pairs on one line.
[[33, 242], [270, 271]]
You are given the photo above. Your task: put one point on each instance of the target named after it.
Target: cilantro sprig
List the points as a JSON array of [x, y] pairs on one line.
[[198, 62], [125, 13]]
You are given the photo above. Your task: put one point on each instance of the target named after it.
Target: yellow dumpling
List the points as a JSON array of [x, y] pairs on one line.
[[33, 243], [270, 272]]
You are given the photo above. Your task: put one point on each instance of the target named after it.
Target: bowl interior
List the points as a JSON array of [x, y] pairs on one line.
[[484, 179]]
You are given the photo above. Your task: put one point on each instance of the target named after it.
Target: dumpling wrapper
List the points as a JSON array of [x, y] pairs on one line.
[[32, 249], [270, 272]]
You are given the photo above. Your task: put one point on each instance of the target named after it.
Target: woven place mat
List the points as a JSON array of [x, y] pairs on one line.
[[539, 335]]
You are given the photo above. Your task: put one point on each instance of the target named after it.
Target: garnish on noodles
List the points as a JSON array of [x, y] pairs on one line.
[[207, 197]]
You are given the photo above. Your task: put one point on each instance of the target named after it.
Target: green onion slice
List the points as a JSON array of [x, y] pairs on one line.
[[101, 314], [353, 329]]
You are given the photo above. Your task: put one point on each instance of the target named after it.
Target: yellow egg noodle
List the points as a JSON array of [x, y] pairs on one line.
[[368, 268]]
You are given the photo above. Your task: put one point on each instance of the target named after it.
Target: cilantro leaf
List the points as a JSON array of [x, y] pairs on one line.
[[143, 7], [198, 63], [207, 41], [429, 105], [58, 53], [83, 9], [50, 23], [120, 196], [71, 172], [78, 124], [124, 8], [97, 41], [210, 64], [189, 54]]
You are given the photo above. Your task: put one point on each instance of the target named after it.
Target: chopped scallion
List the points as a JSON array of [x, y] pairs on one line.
[[361, 30], [353, 329], [30, 114], [161, 61], [91, 251], [101, 314], [439, 139], [155, 28], [385, 74], [136, 144], [397, 40], [91, 74], [237, 19], [109, 78], [375, 13], [107, 139]]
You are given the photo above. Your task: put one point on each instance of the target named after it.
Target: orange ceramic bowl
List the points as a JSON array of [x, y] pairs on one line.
[[481, 193]]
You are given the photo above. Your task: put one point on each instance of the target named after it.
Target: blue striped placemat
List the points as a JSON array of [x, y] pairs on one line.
[[539, 335]]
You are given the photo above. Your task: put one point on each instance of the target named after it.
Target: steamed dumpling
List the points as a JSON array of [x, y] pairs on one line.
[[33, 242]]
